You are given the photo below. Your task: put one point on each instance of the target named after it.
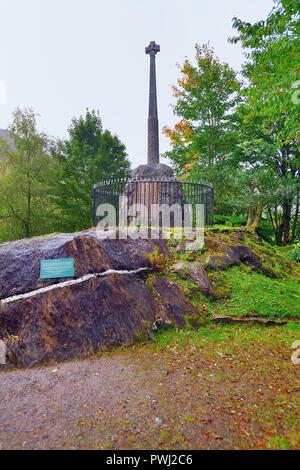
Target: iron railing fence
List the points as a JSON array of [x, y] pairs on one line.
[[148, 191]]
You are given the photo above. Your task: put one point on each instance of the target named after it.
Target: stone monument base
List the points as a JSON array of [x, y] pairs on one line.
[[153, 170]]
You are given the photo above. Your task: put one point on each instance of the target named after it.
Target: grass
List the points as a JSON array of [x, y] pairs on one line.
[[242, 292], [252, 374], [228, 337], [252, 294]]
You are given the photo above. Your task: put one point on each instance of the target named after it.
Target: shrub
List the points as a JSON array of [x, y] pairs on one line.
[[219, 219], [230, 220], [158, 260], [266, 232], [294, 254]]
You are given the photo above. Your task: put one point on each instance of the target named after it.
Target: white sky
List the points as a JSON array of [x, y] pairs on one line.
[[61, 56]]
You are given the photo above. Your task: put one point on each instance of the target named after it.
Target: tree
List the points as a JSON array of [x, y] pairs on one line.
[[271, 109], [254, 177], [206, 96], [28, 177], [90, 155]]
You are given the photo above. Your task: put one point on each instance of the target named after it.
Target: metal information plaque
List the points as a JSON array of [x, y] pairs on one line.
[[56, 268]]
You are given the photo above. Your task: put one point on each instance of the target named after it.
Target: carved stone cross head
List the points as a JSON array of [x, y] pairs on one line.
[[152, 49]]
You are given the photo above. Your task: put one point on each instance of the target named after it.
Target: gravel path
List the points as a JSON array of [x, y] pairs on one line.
[[141, 398]]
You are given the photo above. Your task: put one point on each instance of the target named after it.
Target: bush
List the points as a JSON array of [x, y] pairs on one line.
[[230, 220], [294, 254], [266, 232], [236, 220], [158, 260], [219, 219]]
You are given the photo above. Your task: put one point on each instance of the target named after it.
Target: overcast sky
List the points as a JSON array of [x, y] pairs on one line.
[[61, 56]]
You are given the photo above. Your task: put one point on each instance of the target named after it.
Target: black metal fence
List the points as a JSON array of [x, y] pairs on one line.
[[123, 194]]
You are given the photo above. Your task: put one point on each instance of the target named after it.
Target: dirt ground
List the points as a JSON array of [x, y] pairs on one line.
[[228, 392]]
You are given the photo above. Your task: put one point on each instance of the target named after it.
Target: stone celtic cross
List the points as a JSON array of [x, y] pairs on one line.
[[153, 140]]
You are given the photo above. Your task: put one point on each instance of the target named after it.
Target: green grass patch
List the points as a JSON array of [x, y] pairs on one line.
[[249, 293], [278, 443], [242, 292], [229, 336]]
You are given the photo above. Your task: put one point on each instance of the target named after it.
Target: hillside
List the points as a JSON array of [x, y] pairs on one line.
[[126, 289], [8, 137]]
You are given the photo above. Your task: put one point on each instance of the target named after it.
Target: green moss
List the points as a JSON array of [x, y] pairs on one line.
[[278, 443], [143, 335], [272, 258], [241, 291], [248, 293], [229, 336]]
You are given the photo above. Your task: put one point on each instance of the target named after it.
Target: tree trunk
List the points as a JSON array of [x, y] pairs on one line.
[[286, 219], [278, 235], [254, 216], [26, 230], [251, 216], [295, 223]]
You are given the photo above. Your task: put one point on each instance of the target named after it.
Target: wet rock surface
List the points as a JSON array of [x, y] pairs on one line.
[[231, 247], [174, 306], [97, 313], [77, 320], [196, 273], [20, 260], [82, 318]]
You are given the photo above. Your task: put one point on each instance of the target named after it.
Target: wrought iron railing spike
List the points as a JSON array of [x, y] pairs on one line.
[[168, 188]]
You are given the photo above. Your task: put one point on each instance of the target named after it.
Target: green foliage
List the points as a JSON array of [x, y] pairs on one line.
[[206, 95], [245, 139], [157, 259], [294, 254], [91, 154], [278, 443], [230, 220], [272, 66], [270, 113], [254, 294], [28, 177], [47, 186]]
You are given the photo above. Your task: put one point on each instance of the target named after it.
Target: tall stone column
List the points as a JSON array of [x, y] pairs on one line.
[[153, 169], [153, 139]]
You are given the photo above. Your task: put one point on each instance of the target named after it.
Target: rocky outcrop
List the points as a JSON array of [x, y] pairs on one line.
[[231, 247], [118, 295], [81, 319], [196, 273], [174, 307], [77, 320], [99, 309], [20, 260]]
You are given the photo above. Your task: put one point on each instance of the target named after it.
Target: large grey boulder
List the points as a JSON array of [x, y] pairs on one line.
[[20, 260], [62, 319]]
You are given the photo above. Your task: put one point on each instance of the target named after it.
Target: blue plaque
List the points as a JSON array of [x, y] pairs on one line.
[[56, 268]]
